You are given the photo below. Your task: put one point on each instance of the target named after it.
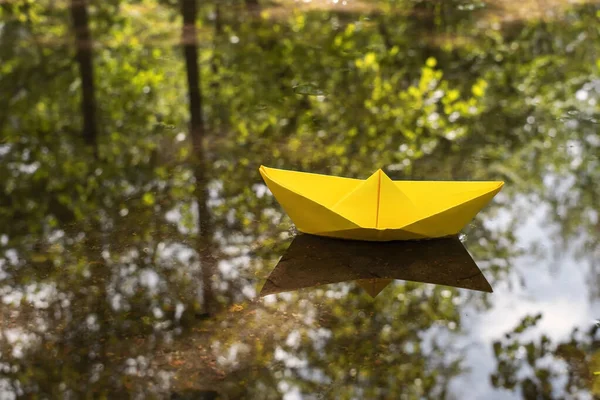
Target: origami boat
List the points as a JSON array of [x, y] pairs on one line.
[[377, 209]]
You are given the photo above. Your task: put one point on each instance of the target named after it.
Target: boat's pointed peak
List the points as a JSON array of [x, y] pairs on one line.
[[378, 173]]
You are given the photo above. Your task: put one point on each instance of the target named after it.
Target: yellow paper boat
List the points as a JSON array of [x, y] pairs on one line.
[[377, 209]]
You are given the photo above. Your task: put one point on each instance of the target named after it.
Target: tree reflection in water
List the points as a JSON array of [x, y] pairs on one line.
[[108, 288]]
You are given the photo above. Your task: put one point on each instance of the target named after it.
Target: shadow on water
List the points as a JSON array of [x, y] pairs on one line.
[[313, 261]]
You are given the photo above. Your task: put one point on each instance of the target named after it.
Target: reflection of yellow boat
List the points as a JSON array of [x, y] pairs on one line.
[[377, 208], [312, 261]]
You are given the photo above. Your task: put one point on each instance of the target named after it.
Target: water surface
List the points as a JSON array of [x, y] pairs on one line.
[[136, 233]]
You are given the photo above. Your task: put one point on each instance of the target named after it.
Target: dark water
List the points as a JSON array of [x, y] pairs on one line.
[[136, 233]]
